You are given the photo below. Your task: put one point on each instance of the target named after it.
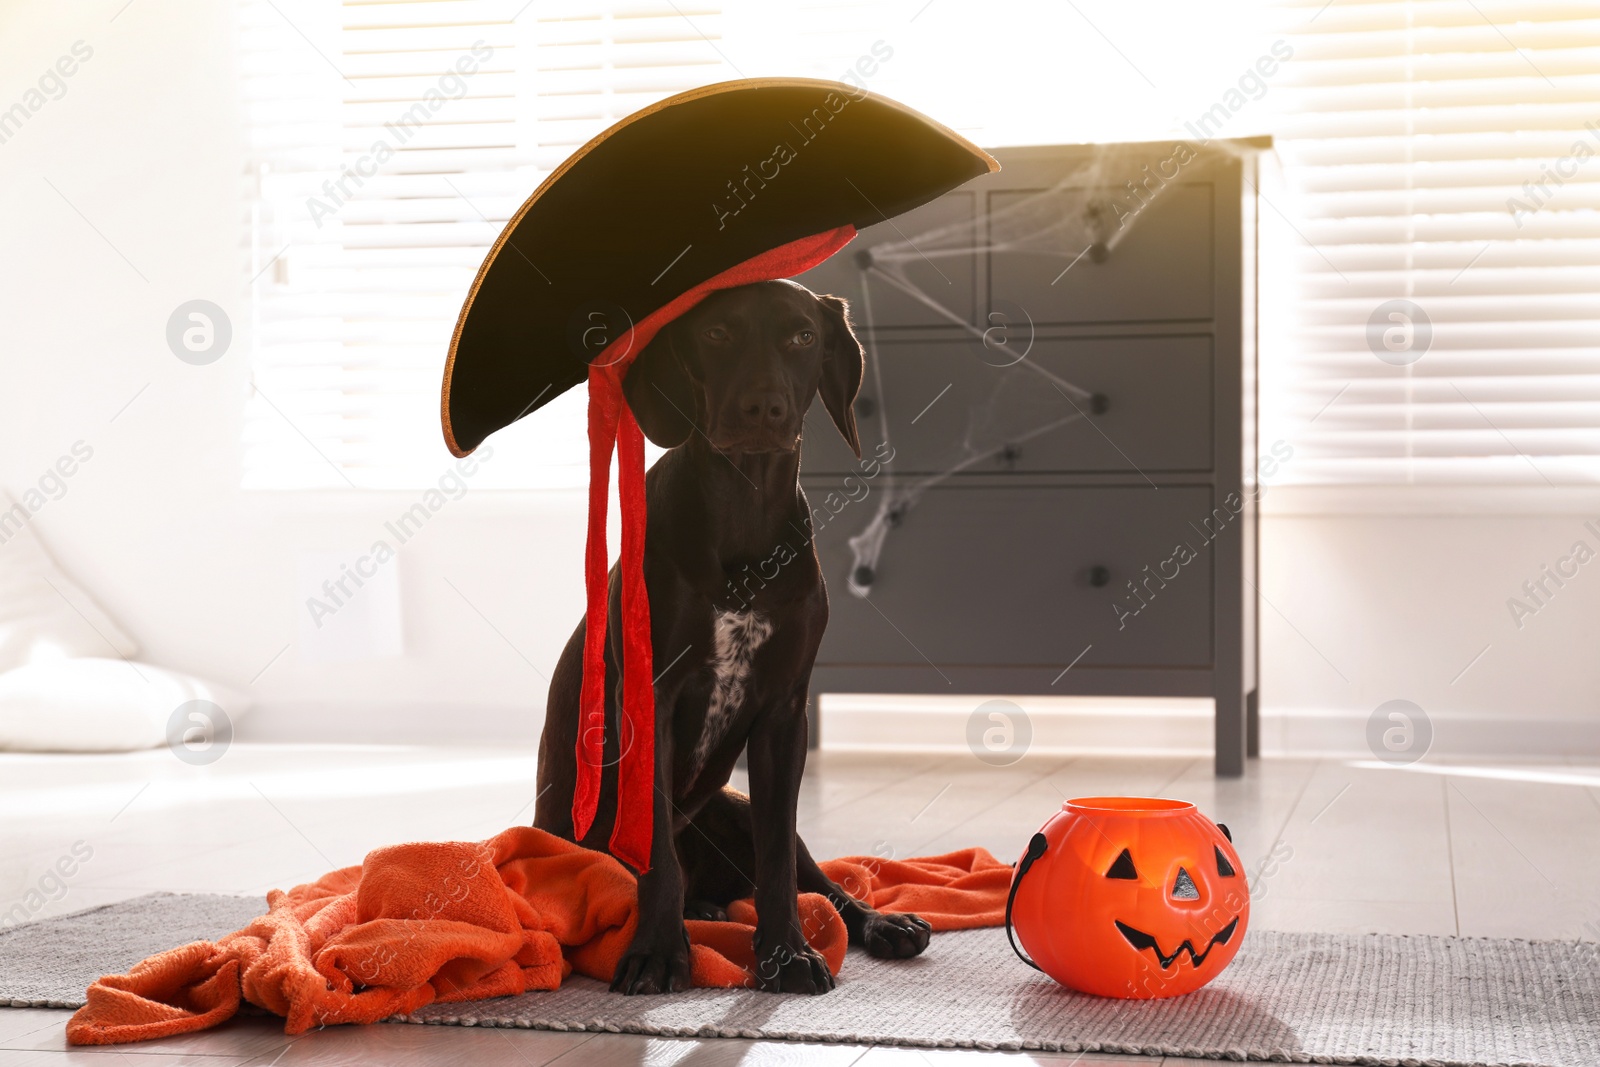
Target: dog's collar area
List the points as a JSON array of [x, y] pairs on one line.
[[1141, 941]]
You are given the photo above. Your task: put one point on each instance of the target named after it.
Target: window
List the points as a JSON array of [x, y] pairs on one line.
[[393, 140], [1430, 227], [1437, 213]]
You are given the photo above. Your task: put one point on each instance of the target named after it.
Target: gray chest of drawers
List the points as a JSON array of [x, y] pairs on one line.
[[1065, 374]]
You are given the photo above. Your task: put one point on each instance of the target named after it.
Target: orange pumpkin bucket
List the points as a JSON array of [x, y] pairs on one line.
[[1129, 897]]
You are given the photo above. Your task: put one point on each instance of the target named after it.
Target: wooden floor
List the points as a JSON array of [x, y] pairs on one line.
[[1496, 849]]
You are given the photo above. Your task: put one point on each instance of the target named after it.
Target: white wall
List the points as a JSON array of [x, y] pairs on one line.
[[1403, 594], [1369, 603], [145, 144]]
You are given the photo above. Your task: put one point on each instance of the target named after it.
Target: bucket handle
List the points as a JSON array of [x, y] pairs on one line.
[[1036, 848]]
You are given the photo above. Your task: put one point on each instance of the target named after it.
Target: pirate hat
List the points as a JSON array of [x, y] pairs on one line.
[[734, 183]]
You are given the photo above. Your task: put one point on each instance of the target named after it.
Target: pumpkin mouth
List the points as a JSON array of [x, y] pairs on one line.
[[1141, 941]]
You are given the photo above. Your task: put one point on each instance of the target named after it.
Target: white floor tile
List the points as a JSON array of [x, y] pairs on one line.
[[407, 1045], [908, 1057], [237, 1039], [18, 1024]]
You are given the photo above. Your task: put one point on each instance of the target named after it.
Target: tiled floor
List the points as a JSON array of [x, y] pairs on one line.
[[1465, 849]]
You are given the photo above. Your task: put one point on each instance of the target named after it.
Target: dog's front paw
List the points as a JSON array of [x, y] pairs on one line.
[[893, 937], [655, 964], [792, 969]]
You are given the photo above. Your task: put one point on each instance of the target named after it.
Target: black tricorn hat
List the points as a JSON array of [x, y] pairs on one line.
[[664, 200]]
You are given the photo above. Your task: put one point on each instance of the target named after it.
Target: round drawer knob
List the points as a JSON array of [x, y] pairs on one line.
[[1099, 403], [1098, 215], [1099, 576], [866, 407], [863, 576]]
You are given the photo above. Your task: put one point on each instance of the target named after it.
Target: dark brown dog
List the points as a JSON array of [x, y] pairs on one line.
[[726, 388]]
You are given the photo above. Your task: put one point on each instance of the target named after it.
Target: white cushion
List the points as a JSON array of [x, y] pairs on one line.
[[45, 615], [111, 705]]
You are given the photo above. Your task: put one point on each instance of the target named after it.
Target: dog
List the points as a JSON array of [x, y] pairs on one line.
[[725, 388]]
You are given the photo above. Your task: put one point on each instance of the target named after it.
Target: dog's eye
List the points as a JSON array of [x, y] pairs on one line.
[[718, 334], [803, 338]]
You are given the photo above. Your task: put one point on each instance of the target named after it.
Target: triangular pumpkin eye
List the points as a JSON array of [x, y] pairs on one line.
[[1224, 868], [1122, 867]]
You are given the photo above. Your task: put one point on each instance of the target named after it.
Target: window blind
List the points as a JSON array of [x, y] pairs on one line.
[[1444, 153], [392, 141], [1437, 152]]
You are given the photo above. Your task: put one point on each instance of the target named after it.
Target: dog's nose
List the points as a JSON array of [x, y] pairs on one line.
[[764, 406]]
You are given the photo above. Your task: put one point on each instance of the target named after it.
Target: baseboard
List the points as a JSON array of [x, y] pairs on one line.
[[1343, 733], [1178, 726], [1173, 726], [879, 722], [392, 722]]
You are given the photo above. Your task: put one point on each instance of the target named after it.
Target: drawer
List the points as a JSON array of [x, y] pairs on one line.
[[943, 267], [945, 401], [1159, 266], [1004, 577]]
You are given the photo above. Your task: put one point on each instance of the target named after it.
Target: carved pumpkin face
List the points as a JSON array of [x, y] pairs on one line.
[[1133, 897]]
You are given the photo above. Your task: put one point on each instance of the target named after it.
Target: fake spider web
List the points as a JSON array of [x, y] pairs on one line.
[[1086, 214]]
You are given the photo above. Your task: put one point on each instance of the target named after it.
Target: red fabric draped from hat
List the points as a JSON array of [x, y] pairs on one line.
[[613, 427]]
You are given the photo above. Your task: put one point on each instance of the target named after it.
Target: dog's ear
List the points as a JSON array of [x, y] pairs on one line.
[[660, 393], [841, 369]]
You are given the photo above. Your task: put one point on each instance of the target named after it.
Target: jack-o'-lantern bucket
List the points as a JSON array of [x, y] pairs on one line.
[[1129, 897]]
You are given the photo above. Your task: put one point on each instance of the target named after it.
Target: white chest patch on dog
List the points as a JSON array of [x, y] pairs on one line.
[[735, 637]]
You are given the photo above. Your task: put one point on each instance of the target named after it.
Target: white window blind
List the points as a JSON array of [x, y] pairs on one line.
[[392, 142], [1446, 153], [1441, 152]]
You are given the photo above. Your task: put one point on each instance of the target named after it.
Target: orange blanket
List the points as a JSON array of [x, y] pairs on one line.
[[424, 923]]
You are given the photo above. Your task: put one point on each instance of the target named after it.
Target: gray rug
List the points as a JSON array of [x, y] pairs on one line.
[[1301, 998]]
